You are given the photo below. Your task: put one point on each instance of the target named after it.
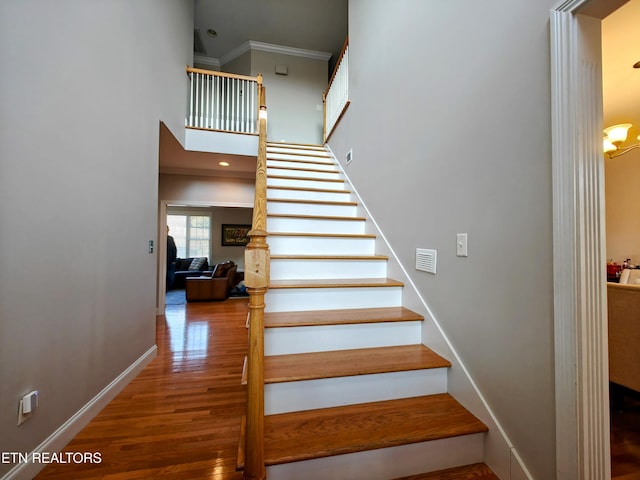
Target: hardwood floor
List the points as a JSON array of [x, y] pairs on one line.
[[625, 434], [180, 418]]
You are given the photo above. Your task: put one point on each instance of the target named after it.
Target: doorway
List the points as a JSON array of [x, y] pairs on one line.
[[580, 316]]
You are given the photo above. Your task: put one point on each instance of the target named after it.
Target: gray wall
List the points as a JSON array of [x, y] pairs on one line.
[[450, 128], [82, 96], [292, 100]]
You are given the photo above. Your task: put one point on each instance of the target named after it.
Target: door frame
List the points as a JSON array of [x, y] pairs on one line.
[[580, 308]]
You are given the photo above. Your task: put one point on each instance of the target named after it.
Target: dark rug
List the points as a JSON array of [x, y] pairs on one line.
[[176, 297]]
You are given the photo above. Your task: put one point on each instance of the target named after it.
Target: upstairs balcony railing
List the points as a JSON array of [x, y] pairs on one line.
[[336, 97], [223, 101]]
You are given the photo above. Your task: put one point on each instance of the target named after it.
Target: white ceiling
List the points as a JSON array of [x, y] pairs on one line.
[[621, 82], [307, 24]]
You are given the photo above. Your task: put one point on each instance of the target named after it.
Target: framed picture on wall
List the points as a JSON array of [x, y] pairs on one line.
[[235, 235]]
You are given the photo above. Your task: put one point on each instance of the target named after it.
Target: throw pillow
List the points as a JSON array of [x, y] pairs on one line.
[[197, 263]]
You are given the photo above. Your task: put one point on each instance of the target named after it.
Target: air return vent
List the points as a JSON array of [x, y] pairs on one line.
[[426, 260]]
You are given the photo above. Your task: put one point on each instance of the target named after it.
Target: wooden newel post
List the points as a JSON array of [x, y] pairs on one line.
[[256, 277], [257, 281]]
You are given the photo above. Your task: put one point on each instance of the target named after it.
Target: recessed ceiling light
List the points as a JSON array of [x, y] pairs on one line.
[[212, 33], [223, 164]]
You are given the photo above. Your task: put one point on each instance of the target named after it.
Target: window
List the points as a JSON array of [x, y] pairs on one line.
[[192, 234]]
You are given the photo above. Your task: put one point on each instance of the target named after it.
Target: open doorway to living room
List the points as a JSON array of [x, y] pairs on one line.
[[197, 230]]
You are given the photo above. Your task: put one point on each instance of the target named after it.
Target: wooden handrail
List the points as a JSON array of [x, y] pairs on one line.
[[223, 74], [326, 134], [335, 68], [257, 281]]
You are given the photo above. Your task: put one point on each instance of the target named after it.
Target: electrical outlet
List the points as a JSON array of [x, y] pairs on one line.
[[27, 406]]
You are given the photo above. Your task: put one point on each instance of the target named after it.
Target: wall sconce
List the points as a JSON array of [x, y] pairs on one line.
[[614, 137]]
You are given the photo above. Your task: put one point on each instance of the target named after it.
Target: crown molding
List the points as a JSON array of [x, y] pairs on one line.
[[272, 48], [204, 60]]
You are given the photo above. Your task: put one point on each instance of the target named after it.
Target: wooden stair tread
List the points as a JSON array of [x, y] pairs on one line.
[[476, 471], [312, 202], [346, 363], [303, 169], [324, 432], [325, 235], [329, 257], [310, 179], [347, 316], [314, 217], [336, 283], [308, 160]]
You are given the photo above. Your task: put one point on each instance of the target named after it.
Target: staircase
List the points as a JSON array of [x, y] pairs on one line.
[[350, 393]]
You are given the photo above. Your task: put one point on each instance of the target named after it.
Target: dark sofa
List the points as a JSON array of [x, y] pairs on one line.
[[189, 267]]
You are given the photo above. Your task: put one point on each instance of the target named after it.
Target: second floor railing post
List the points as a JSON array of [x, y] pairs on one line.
[[257, 282]]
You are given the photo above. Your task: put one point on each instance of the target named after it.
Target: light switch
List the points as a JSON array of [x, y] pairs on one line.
[[461, 245]]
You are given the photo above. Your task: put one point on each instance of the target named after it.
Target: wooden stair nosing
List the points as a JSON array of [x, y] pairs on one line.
[[347, 363], [330, 257], [306, 435], [476, 471], [348, 316], [315, 217], [313, 202], [335, 283], [310, 179]]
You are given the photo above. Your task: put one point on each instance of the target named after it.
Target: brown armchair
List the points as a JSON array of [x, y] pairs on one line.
[[214, 287]]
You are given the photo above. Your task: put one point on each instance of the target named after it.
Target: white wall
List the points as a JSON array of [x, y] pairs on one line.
[[292, 99], [450, 128], [81, 100]]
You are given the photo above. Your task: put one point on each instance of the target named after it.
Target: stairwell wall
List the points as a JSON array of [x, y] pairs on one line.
[[453, 136], [82, 98]]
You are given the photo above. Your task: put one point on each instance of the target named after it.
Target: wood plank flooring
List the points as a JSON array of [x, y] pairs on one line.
[[180, 418]]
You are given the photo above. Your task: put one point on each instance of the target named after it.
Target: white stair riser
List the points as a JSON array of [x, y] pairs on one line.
[[312, 209], [332, 196], [304, 183], [327, 338], [292, 147], [312, 175], [321, 245], [311, 164], [313, 225], [386, 463], [306, 156], [304, 299], [333, 392], [298, 269]]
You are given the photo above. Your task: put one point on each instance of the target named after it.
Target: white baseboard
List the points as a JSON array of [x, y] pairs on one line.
[[67, 431]]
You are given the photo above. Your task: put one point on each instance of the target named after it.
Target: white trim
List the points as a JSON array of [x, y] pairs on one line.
[[523, 472], [270, 47], [67, 431], [581, 357]]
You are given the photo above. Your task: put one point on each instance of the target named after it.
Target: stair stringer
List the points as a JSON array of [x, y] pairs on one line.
[[499, 452]]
